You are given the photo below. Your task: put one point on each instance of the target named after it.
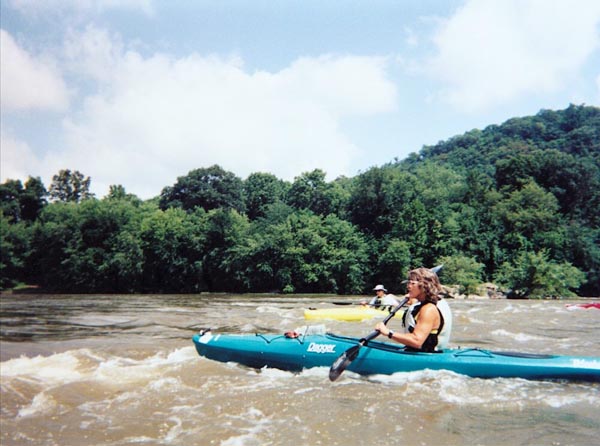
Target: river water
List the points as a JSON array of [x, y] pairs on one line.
[[122, 370]]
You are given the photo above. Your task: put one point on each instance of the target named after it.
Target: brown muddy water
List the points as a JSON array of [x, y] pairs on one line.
[[109, 370]]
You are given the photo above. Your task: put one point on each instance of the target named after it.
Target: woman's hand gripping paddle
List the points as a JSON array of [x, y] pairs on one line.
[[350, 355]]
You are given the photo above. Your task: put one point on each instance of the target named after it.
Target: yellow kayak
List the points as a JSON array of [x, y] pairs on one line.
[[354, 313]]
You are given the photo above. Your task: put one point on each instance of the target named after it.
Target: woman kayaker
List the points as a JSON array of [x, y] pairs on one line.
[[425, 320]]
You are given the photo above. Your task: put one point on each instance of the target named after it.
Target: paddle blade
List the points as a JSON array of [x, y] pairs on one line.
[[340, 364]]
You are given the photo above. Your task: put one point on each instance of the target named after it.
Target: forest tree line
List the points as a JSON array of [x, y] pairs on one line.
[[515, 204]]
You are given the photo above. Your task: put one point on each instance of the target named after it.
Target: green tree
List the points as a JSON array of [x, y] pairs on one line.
[[22, 203], [92, 246], [575, 182], [172, 245], [582, 249], [376, 199], [33, 199], [345, 256], [117, 192], [109, 254], [55, 237], [479, 230], [323, 255], [393, 261], [311, 191], [340, 194], [10, 194], [535, 275], [262, 190], [222, 267], [261, 258], [514, 172], [301, 253], [207, 188], [14, 249], [529, 217], [414, 224], [70, 186], [466, 272]]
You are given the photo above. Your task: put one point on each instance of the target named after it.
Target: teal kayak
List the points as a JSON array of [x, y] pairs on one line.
[[321, 350]]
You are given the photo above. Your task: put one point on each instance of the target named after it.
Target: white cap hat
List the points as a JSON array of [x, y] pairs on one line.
[[380, 287]]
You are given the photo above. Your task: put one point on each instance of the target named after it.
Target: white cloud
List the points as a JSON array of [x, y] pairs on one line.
[[492, 52], [93, 53], [156, 118], [18, 161], [27, 82]]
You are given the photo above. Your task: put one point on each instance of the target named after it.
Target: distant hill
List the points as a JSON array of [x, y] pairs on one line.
[[559, 150], [574, 131]]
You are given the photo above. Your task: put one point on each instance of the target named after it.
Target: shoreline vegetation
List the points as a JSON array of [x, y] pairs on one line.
[[514, 205]]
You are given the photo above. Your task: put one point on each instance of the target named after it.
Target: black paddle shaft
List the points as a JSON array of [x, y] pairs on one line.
[[340, 364]]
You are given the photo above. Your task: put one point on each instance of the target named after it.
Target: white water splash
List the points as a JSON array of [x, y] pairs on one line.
[[59, 368], [41, 404]]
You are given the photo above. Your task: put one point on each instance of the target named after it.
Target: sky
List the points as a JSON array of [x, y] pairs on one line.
[[140, 92]]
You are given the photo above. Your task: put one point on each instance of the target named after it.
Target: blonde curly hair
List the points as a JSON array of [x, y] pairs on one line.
[[429, 280]]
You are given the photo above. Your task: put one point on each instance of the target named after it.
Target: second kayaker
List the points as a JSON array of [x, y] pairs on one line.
[[382, 299]]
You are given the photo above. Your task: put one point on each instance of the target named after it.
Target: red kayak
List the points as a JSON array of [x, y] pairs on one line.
[[590, 305]]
